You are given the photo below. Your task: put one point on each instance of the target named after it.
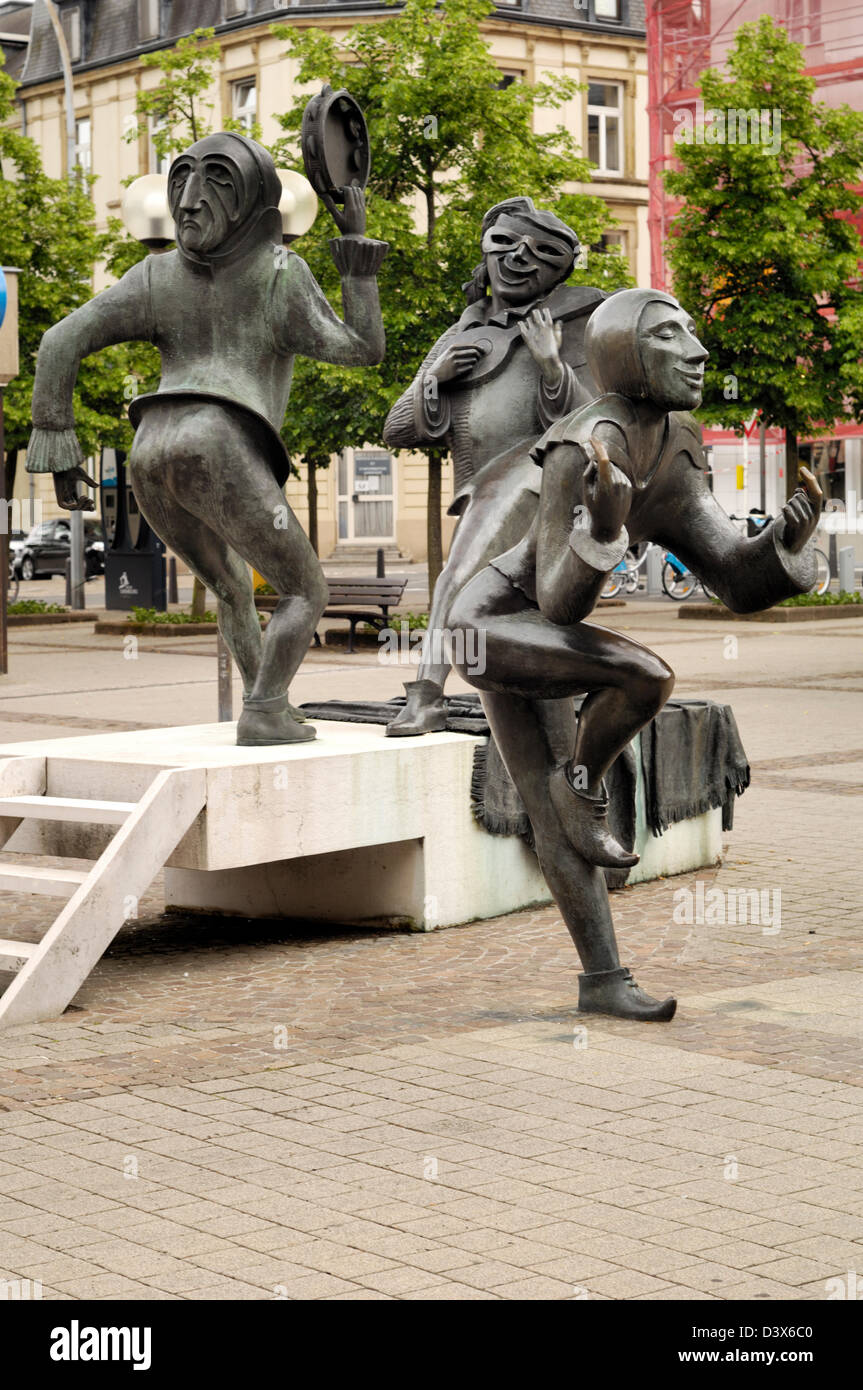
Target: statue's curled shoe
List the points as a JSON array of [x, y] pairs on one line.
[[615, 992], [585, 820], [265, 722], [423, 713]]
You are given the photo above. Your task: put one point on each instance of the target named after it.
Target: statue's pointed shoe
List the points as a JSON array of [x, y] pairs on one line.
[[615, 992], [585, 820], [267, 722], [424, 711]]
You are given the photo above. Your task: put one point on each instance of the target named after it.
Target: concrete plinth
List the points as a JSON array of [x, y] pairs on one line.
[[353, 827]]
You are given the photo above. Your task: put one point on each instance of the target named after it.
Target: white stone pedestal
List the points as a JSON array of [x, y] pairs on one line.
[[352, 828]]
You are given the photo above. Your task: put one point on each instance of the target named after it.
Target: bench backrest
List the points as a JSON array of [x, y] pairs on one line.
[[383, 593]]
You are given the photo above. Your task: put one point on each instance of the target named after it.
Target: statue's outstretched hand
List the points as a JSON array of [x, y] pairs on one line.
[[351, 219], [607, 493], [66, 490], [801, 512]]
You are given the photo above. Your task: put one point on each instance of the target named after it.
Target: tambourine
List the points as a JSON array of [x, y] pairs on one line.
[[335, 143]]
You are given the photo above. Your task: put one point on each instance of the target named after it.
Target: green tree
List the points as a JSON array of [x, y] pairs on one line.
[[764, 252], [47, 230], [448, 136]]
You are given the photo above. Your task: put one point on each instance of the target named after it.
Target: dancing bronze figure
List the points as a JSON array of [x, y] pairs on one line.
[[626, 468]]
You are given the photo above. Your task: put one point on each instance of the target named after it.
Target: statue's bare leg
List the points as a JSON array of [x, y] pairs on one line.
[[519, 652], [495, 518], [217, 566], [213, 460], [532, 736]]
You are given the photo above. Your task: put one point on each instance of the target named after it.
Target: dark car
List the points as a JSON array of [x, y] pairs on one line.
[[47, 548]]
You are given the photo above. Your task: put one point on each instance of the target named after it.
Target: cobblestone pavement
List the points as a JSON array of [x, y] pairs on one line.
[[242, 1110]]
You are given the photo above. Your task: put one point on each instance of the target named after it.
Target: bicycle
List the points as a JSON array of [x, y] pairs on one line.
[[754, 524], [678, 581], [626, 574]]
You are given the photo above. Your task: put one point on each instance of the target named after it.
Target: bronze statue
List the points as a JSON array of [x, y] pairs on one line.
[[228, 311], [626, 468], [512, 364]]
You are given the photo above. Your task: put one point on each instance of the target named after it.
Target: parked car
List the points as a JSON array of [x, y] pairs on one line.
[[17, 539], [46, 550]]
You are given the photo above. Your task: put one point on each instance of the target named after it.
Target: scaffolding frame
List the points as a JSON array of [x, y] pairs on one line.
[[686, 36]]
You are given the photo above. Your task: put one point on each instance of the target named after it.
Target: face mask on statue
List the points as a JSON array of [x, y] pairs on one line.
[[224, 194]]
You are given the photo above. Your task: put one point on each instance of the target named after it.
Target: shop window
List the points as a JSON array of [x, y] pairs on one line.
[[826, 459]]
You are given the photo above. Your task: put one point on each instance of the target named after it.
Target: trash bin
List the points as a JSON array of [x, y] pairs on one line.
[[135, 570]]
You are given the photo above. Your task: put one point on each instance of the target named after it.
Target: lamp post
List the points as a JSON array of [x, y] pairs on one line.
[[76, 519]]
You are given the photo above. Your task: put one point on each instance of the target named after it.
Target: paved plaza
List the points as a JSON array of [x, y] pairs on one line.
[[236, 1110]]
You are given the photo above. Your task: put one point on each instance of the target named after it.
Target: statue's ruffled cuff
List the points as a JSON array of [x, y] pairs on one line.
[[801, 569], [53, 451], [359, 257], [558, 401], [601, 557]]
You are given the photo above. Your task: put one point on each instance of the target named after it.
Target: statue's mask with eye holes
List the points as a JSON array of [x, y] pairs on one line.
[[224, 195], [526, 251]]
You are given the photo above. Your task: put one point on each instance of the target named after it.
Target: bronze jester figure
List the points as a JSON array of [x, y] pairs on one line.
[[228, 310]]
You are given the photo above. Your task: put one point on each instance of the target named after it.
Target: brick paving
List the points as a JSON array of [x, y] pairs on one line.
[[264, 1111]]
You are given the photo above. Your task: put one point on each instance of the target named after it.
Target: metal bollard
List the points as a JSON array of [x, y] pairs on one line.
[[846, 569], [654, 570], [381, 571], [173, 595]]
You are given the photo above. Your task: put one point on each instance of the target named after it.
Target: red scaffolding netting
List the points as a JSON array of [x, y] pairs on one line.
[[686, 36]]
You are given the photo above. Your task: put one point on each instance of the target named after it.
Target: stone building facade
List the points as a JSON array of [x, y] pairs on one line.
[[598, 42]]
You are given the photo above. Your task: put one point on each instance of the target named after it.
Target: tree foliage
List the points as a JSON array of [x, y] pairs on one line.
[[47, 230], [449, 140], [765, 252]]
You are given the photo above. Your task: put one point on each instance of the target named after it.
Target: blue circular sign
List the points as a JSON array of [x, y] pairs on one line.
[[3, 295]]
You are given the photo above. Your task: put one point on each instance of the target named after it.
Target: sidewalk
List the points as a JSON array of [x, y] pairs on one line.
[[235, 1110]]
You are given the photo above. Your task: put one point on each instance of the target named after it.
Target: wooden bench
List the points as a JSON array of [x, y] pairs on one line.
[[377, 596]]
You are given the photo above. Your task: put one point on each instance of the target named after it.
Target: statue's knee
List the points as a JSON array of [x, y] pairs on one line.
[[658, 685]]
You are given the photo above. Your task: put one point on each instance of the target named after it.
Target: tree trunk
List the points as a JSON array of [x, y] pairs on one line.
[[791, 462], [434, 538], [312, 495], [199, 598]]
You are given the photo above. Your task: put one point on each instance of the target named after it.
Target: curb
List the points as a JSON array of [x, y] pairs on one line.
[[773, 615], [107, 627], [48, 619]]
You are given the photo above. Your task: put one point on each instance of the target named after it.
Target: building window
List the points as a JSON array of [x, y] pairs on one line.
[[614, 240], [71, 23], [244, 103], [508, 76], [605, 126], [149, 20], [235, 8], [83, 147], [607, 10]]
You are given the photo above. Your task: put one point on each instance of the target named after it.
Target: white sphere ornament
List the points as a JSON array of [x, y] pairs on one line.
[[145, 211], [298, 204]]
